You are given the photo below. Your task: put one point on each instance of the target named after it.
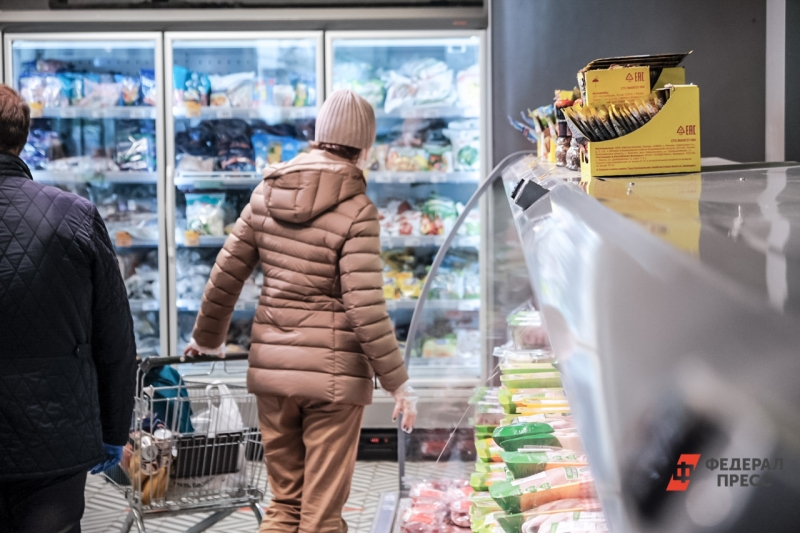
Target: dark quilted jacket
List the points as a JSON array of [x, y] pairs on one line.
[[67, 354]]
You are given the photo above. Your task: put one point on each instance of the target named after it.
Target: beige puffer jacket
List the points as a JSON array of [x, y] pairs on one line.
[[321, 328]]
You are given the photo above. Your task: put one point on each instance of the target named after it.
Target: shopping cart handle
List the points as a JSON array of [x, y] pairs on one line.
[[155, 362]]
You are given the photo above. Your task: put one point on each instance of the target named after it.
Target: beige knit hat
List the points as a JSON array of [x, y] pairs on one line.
[[347, 119]]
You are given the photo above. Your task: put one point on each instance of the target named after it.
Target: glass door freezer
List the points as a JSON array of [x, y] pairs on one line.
[[429, 94], [96, 131], [238, 102]]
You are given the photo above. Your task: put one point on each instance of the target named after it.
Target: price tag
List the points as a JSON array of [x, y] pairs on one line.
[[139, 113], [412, 242], [37, 109], [191, 238], [192, 109], [381, 177], [69, 112], [98, 113], [123, 239], [224, 112], [406, 177], [150, 305]]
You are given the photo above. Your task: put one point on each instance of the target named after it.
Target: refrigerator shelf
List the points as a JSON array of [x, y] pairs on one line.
[[217, 180], [406, 241], [445, 305], [274, 114], [430, 112], [193, 306], [204, 241], [144, 305], [422, 177], [65, 177], [123, 239], [120, 112]]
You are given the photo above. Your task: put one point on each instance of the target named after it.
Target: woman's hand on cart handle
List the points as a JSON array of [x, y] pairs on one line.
[[405, 403], [193, 350]]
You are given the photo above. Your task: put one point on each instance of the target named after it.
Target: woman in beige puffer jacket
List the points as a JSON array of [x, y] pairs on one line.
[[321, 330]]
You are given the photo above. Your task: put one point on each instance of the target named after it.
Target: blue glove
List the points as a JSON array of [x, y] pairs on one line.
[[112, 459]]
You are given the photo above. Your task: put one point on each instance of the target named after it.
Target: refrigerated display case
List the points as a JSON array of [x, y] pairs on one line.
[[428, 90], [96, 130], [239, 102]]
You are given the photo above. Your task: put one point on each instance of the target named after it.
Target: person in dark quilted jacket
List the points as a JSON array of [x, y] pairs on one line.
[[67, 352]]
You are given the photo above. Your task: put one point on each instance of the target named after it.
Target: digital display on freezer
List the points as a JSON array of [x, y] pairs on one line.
[[424, 167], [238, 105], [94, 111]]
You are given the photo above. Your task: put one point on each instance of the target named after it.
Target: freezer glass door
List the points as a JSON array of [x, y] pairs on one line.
[[425, 165], [239, 103], [95, 132]]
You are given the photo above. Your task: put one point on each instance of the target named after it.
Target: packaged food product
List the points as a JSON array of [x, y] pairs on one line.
[[575, 522], [45, 89], [520, 429], [400, 92], [135, 150], [283, 95], [406, 159], [481, 481], [538, 380], [465, 138], [468, 85], [439, 348], [488, 451], [179, 76], [130, 87], [513, 401], [232, 90], [204, 213], [148, 83], [514, 523], [522, 464], [483, 504], [545, 487]]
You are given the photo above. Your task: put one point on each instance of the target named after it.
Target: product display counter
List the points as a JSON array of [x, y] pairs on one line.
[[675, 334], [671, 307]]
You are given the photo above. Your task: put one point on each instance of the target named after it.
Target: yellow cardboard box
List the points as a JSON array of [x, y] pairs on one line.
[[630, 83], [669, 143]]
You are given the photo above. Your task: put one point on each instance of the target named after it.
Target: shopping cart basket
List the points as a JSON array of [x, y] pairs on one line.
[[194, 446]]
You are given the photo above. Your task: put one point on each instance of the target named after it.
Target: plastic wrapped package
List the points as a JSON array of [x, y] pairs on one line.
[[574, 522], [130, 88], [514, 401], [193, 270], [82, 163], [192, 163], [149, 88], [100, 90], [204, 213], [526, 463], [135, 150], [468, 86], [400, 92], [538, 380], [42, 146], [526, 328], [515, 523], [232, 90], [548, 486], [47, 90], [465, 136]]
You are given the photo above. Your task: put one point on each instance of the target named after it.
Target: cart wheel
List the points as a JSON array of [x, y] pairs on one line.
[[258, 510]]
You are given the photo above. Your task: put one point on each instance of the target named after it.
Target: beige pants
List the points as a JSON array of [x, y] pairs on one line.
[[310, 449]]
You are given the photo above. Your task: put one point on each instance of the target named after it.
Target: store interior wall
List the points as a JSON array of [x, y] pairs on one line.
[[792, 80], [539, 45]]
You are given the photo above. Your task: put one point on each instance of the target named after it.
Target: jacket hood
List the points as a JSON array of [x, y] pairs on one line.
[[310, 184]]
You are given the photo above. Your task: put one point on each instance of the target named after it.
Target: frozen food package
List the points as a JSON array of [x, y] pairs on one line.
[[466, 147], [179, 76], [435, 90], [44, 89], [440, 348], [192, 163], [204, 213], [130, 88], [406, 159], [136, 151], [520, 429], [100, 91], [148, 84], [283, 95], [232, 90], [527, 463], [468, 86], [545, 487], [400, 92], [372, 90], [196, 88]]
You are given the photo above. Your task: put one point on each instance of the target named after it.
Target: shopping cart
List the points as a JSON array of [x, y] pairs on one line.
[[194, 446]]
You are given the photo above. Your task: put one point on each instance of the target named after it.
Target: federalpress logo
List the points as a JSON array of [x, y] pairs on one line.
[[687, 463]]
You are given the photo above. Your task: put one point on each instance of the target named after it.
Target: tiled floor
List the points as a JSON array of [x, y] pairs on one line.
[[106, 508]]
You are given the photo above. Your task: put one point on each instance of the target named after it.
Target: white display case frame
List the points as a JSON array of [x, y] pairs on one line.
[[157, 38], [209, 37]]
